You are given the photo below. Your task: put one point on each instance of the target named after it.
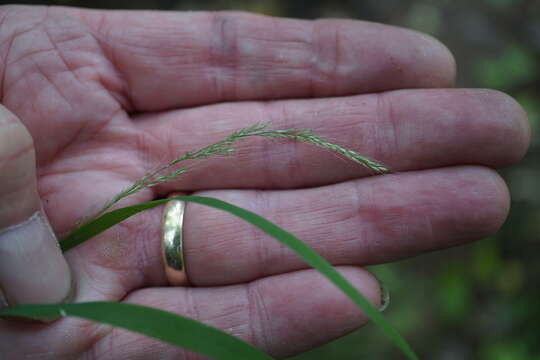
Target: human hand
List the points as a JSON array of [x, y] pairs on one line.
[[108, 96]]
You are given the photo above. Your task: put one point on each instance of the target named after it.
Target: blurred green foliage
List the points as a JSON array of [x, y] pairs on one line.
[[513, 67], [480, 301]]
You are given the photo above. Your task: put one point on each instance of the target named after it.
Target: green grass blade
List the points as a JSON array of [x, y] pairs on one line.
[[104, 222], [159, 324], [305, 252]]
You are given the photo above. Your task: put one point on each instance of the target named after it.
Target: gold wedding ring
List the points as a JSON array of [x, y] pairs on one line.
[[172, 242]]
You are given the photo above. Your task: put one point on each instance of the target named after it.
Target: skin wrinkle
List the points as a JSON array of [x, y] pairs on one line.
[[35, 26], [88, 276], [124, 41], [121, 254], [273, 62], [143, 142], [377, 143], [12, 199], [23, 77], [98, 140], [315, 49], [339, 218], [3, 66], [281, 253], [49, 188], [224, 55], [428, 230], [337, 56], [113, 249], [325, 79], [258, 317], [77, 135], [30, 55], [84, 130], [264, 148], [74, 71], [259, 239], [390, 221], [385, 114], [265, 254], [96, 332], [124, 172], [192, 307], [11, 39], [99, 34], [292, 161], [232, 319], [20, 152], [144, 260], [68, 69], [369, 245], [110, 348], [219, 24], [53, 84]]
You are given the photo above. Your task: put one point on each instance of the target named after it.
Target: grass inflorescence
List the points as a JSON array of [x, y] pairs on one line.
[[225, 147]]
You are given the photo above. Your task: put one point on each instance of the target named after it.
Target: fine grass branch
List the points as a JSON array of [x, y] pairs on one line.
[[225, 147]]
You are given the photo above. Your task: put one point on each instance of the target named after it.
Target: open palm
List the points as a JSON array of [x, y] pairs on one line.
[[109, 96]]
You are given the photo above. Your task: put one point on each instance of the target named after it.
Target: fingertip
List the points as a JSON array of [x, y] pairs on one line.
[[484, 204], [319, 310], [366, 283], [515, 126], [499, 123], [441, 66], [498, 194]]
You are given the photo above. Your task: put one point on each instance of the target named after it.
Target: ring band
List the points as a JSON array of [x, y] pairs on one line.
[[172, 243]]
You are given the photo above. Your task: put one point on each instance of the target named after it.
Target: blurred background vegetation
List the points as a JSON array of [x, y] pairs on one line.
[[480, 301]]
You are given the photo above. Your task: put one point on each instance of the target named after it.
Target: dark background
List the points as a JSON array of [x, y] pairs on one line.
[[480, 301]]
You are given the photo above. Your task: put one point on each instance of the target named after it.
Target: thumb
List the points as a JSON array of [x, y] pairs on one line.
[[32, 267]]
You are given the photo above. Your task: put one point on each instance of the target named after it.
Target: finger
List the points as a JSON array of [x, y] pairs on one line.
[[32, 268], [171, 60], [282, 315], [362, 222], [367, 221], [406, 130]]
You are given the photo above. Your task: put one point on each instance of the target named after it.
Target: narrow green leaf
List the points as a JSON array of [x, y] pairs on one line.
[[104, 222], [301, 249], [165, 326]]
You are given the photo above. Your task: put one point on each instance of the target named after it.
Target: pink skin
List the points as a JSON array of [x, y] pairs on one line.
[[106, 97]]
